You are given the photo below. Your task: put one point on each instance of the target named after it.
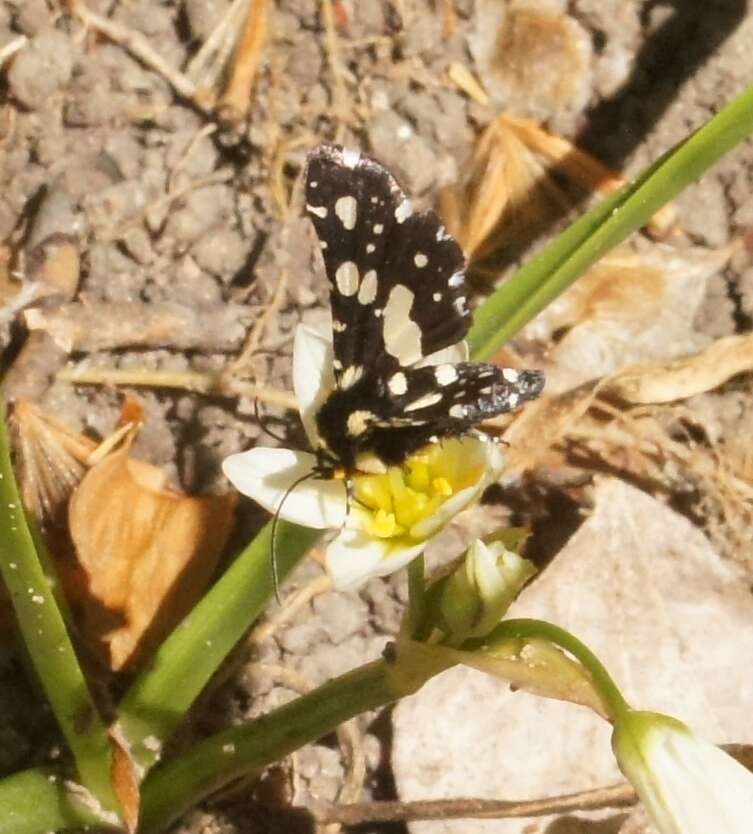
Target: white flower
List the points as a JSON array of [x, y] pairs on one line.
[[391, 516], [687, 785]]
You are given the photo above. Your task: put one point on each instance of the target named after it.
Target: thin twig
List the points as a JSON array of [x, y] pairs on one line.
[[235, 101], [207, 65], [10, 48], [339, 73], [441, 809], [188, 380], [290, 607], [172, 191], [217, 177], [139, 47], [257, 331]]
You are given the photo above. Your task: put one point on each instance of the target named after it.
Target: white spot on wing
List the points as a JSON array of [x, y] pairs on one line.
[[378, 228], [457, 279], [346, 209], [370, 248], [402, 336], [445, 374], [350, 376], [357, 422], [339, 326], [420, 260], [457, 412], [319, 211], [403, 211], [346, 278], [313, 183], [424, 402], [398, 384], [351, 158], [370, 463], [368, 290], [437, 296], [510, 374]]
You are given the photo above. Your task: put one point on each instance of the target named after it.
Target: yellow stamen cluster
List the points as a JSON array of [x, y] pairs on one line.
[[406, 494]]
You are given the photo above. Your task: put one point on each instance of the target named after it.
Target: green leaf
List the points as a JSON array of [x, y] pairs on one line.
[[42, 627], [38, 802], [551, 272], [160, 697]]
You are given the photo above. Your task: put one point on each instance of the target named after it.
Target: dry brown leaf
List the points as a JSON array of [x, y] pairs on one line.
[[146, 550], [632, 307], [125, 780], [663, 382], [54, 265], [544, 424]]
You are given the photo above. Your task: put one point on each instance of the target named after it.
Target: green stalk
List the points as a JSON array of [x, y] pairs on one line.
[[549, 274], [524, 629], [416, 593], [160, 697], [39, 802], [46, 639], [174, 788]]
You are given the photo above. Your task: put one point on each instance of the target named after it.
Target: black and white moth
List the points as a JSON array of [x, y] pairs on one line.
[[397, 291]]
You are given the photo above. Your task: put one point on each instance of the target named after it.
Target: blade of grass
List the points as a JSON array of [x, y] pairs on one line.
[[172, 789], [533, 286], [38, 802], [160, 697], [46, 639]]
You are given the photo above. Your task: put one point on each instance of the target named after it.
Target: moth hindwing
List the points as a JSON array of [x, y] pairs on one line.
[[397, 292]]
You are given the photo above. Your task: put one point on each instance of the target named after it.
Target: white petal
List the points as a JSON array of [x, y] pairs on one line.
[[265, 475], [313, 375], [355, 557], [449, 355], [687, 785]]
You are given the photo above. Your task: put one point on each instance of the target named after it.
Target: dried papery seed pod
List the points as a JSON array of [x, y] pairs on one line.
[[147, 551], [52, 460]]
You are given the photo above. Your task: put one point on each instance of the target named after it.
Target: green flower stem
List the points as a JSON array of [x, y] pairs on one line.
[[416, 593], [174, 788], [160, 697], [42, 627], [38, 802], [545, 277], [525, 629]]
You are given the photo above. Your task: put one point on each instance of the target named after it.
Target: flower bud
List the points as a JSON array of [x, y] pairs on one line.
[[476, 596], [687, 785]]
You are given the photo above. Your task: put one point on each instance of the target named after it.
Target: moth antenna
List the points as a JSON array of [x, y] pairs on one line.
[[263, 425], [275, 523]]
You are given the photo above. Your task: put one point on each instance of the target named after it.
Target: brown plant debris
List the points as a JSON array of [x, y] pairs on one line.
[[512, 182], [146, 551], [90, 326], [235, 100]]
